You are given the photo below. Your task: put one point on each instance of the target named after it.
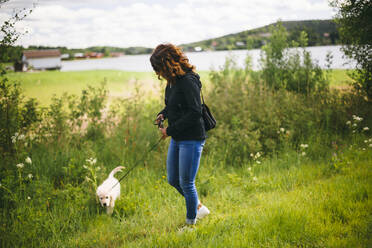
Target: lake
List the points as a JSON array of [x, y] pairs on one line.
[[202, 60]]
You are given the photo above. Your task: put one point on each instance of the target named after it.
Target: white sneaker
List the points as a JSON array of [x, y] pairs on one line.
[[202, 211]]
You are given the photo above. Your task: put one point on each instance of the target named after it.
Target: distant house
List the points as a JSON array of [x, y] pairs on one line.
[[79, 55], [239, 43], [65, 56], [198, 49], [42, 59], [116, 54], [265, 35], [94, 55]]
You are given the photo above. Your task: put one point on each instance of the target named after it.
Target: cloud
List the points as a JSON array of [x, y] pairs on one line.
[[86, 23]]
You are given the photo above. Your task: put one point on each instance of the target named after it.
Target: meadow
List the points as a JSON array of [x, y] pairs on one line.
[[120, 84], [298, 196], [288, 165], [43, 85]]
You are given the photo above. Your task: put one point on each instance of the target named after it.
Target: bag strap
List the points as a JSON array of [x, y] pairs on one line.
[[201, 92]]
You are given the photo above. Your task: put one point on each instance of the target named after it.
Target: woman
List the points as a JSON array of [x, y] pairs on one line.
[[185, 124]]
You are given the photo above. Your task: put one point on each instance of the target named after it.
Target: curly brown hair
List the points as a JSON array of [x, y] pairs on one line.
[[168, 61]]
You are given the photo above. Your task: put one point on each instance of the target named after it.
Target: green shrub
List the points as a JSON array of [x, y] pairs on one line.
[[284, 105], [293, 70]]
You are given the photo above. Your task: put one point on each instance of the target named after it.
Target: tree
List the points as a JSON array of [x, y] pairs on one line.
[[15, 114], [9, 35], [355, 26], [293, 70]]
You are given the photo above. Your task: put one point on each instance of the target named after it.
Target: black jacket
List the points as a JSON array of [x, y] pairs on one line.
[[183, 108]]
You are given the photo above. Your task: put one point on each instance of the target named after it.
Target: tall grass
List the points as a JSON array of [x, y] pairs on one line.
[[284, 168]]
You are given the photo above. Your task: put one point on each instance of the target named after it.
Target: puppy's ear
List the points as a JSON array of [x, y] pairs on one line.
[[112, 203]]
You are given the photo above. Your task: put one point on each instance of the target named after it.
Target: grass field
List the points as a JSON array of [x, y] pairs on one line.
[[43, 85], [286, 198], [283, 202], [340, 79]]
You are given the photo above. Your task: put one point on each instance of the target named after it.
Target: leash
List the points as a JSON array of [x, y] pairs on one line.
[[160, 125]]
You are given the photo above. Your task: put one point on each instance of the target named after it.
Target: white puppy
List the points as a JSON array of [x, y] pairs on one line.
[[109, 191]]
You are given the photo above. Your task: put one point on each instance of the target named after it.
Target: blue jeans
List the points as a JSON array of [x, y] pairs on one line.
[[182, 165]]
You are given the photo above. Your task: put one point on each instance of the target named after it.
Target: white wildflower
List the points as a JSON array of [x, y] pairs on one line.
[[365, 128], [278, 132], [98, 168], [370, 140], [353, 131], [258, 162], [357, 118], [303, 153], [282, 130], [287, 132], [354, 125], [370, 145], [258, 154], [21, 137], [29, 198], [14, 138], [85, 167], [365, 141], [364, 149], [30, 176], [92, 161], [304, 146], [28, 160], [20, 165], [348, 123], [254, 179], [249, 168], [252, 155]]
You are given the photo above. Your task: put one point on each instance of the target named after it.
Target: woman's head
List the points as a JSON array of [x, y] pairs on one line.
[[168, 61]]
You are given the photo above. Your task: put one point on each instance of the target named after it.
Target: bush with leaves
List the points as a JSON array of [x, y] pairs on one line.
[[285, 104], [291, 69]]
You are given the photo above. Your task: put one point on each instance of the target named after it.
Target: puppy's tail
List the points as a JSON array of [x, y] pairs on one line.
[[117, 169]]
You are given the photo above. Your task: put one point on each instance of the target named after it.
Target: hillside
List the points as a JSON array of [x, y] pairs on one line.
[[320, 32]]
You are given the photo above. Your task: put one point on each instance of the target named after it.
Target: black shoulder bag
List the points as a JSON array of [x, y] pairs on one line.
[[209, 120]]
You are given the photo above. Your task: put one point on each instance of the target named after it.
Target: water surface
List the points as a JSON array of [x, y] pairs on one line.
[[202, 60]]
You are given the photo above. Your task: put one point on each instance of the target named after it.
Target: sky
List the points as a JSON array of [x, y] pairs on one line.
[[125, 23]]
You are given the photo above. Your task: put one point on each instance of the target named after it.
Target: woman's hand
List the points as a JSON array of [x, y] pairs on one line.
[[163, 132], [159, 118]]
